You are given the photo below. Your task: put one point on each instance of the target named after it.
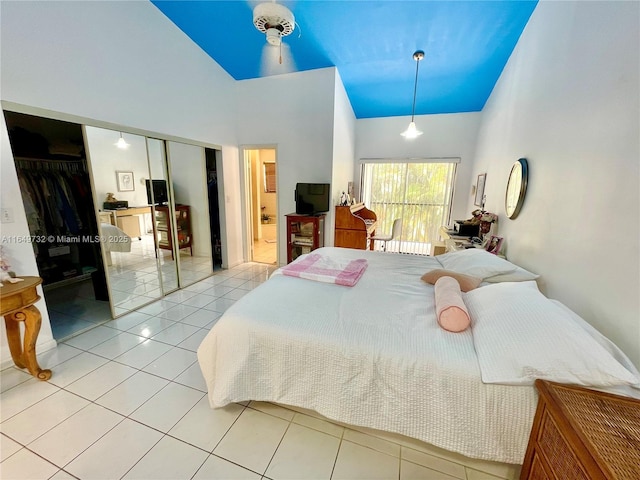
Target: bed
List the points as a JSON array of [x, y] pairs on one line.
[[373, 355], [114, 240]]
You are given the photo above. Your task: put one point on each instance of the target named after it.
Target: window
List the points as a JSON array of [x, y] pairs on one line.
[[269, 177], [418, 191]]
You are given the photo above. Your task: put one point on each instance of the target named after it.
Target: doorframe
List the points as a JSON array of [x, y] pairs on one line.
[[247, 197]]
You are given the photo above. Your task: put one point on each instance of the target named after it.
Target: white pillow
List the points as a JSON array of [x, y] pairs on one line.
[[520, 335], [475, 262], [518, 275]]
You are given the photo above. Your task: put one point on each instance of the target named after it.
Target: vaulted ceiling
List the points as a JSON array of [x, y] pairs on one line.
[[466, 45]]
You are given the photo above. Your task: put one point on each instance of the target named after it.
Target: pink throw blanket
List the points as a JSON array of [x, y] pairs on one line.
[[325, 269]]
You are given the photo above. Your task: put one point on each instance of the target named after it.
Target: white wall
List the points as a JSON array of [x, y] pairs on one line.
[[448, 135], [568, 101], [118, 62], [344, 132], [294, 112], [19, 254]]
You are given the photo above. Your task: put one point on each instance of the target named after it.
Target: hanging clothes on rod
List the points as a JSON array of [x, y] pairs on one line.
[[55, 195]]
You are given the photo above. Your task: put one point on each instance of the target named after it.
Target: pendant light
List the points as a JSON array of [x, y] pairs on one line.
[[121, 143], [412, 132]]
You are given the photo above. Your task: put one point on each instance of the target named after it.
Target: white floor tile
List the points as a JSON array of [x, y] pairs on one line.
[[433, 462], [95, 336], [179, 296], [304, 454], [477, 475], [201, 318], [412, 471], [128, 321], [193, 342], [133, 392], [356, 462], [151, 327], [167, 407], [23, 396], [101, 380], [29, 424], [175, 334], [178, 312], [217, 290], [143, 354], [216, 467], [252, 440], [115, 453], [318, 424], [7, 447], [198, 301], [55, 356], [67, 440], [192, 377], [117, 345], [25, 465], [156, 308], [234, 282], [12, 376], [204, 426], [75, 368], [273, 409], [370, 441], [198, 287], [62, 475], [169, 459], [235, 294], [172, 363], [219, 305]]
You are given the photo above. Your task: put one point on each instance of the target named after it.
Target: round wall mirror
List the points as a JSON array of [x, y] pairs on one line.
[[516, 188]]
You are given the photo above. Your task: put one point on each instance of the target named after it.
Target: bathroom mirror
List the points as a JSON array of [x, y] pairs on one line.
[[516, 188]]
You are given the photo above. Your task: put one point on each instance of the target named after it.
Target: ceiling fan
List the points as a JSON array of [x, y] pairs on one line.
[[275, 21]]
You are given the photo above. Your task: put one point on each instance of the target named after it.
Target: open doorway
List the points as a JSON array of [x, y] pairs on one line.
[[263, 204]]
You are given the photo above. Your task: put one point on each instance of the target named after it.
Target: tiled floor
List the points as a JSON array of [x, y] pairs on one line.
[[134, 281], [127, 400], [265, 251]]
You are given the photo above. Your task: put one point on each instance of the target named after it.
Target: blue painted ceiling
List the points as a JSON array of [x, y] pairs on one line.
[[466, 45]]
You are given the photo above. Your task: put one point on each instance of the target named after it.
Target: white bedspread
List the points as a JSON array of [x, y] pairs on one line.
[[372, 355], [114, 239]]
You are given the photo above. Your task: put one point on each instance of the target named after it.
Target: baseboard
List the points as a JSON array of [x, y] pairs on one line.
[[40, 348]]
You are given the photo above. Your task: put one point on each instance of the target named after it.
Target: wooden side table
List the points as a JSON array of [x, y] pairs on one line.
[[583, 434], [16, 305]]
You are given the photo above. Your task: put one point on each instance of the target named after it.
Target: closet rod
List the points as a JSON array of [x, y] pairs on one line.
[[29, 163]]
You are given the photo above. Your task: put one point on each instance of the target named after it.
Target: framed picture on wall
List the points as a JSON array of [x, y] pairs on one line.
[[482, 178], [125, 181]]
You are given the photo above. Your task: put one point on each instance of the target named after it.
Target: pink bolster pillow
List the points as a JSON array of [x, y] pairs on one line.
[[450, 308]]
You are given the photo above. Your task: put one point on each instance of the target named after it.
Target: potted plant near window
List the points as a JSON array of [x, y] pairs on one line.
[[264, 216]]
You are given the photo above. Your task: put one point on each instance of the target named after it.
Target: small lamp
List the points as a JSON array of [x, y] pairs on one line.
[[121, 143]]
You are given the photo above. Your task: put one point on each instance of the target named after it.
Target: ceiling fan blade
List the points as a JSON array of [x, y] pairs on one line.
[[270, 60]]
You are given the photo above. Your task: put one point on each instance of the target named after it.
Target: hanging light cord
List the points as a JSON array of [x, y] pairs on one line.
[[419, 55]]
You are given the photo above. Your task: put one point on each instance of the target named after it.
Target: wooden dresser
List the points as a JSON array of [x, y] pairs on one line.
[[354, 227], [583, 434]]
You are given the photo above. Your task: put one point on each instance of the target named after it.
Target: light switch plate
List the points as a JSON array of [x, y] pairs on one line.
[[6, 215]]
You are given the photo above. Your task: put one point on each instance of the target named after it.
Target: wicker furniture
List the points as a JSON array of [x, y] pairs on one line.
[[583, 434]]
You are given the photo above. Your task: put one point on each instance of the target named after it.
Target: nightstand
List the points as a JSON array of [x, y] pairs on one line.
[[583, 434]]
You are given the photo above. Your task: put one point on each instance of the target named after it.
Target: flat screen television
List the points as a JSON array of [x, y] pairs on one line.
[[312, 198], [160, 193]]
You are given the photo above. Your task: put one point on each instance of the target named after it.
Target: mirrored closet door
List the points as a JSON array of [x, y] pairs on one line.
[[153, 194], [188, 175], [119, 165]]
